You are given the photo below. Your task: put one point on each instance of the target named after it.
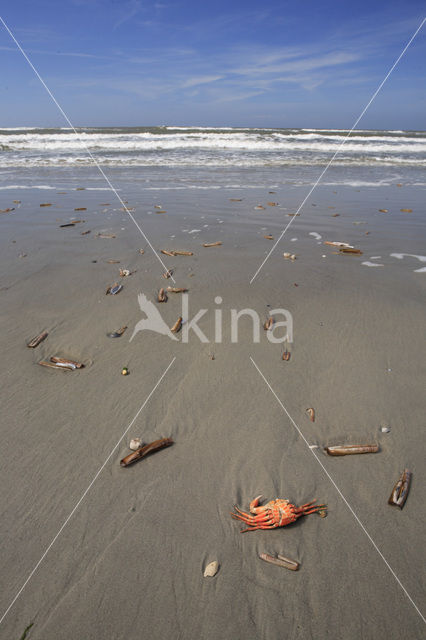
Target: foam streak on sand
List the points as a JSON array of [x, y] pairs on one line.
[[339, 492], [80, 500]]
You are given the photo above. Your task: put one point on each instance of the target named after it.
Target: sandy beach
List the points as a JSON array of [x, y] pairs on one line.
[[129, 561]]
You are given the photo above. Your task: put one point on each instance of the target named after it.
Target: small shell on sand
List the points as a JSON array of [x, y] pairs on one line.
[[385, 429], [135, 444], [289, 256], [211, 569]]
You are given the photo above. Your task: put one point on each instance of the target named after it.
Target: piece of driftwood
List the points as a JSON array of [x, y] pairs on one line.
[[212, 244], [400, 491], [68, 224], [168, 253], [280, 561], [36, 341], [142, 452], [350, 449]]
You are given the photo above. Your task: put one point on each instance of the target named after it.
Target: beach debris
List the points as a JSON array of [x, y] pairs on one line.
[[158, 206], [311, 414], [145, 450], [292, 215], [125, 272], [118, 333], [272, 204], [211, 356], [61, 363], [211, 570], [135, 444], [114, 289], [400, 491], [161, 211], [168, 274], [141, 251], [235, 199], [125, 371], [16, 202], [113, 261], [168, 253], [80, 188], [182, 253], [259, 206], [162, 296], [383, 211], [67, 224], [385, 429], [24, 635], [177, 289], [46, 204], [335, 215], [177, 326], [80, 209], [32, 344], [276, 513], [350, 449], [289, 256], [8, 210], [286, 355], [268, 324], [85, 233], [127, 208], [268, 237], [212, 244], [399, 185], [23, 255], [407, 210], [280, 561], [350, 250], [338, 244], [105, 235]]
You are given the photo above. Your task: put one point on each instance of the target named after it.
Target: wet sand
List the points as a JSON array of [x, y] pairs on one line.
[[130, 561]]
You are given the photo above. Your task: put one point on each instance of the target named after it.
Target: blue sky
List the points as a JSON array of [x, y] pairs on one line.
[[222, 63]]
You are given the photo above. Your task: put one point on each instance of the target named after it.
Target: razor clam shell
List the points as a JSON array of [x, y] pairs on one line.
[[281, 561], [211, 569], [351, 449]]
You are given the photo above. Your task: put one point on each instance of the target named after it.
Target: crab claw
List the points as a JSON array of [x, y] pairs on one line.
[[254, 503]]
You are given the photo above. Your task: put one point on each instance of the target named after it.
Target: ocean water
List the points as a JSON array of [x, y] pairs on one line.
[[202, 157]]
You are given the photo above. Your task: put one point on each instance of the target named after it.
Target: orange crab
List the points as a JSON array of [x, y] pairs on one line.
[[276, 513]]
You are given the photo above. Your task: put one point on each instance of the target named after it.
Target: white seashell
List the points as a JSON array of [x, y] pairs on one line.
[[135, 443], [211, 569], [385, 429]]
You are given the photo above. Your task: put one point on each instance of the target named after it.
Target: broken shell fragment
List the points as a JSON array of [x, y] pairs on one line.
[[268, 324], [259, 206], [286, 355], [118, 333], [311, 414], [268, 237], [338, 244], [350, 449], [383, 210], [289, 256], [280, 561], [145, 450], [168, 274], [211, 569], [114, 289], [124, 273], [36, 341], [177, 326], [162, 296], [125, 371], [168, 253], [135, 444], [177, 289], [400, 491]]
